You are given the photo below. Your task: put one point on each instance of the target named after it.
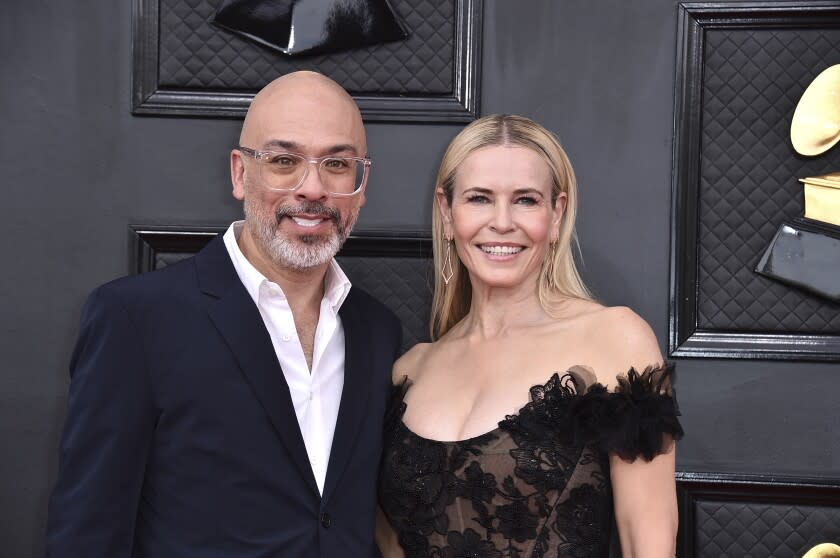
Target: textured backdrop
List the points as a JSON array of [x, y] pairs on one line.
[[194, 54], [749, 172]]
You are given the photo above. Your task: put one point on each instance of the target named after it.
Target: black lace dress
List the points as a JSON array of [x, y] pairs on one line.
[[536, 486]]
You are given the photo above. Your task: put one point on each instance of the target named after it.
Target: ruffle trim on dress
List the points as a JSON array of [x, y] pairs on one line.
[[396, 408], [638, 418]]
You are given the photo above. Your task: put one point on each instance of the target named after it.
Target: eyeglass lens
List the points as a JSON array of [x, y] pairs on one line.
[[286, 171]]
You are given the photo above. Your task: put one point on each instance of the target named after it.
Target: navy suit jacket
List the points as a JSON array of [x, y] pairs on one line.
[[181, 439]]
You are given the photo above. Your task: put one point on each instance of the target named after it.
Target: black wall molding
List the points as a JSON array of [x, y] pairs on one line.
[[763, 497], [460, 105], [687, 337], [151, 241]]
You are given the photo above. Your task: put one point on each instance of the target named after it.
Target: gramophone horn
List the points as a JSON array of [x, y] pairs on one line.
[[816, 121], [824, 550]]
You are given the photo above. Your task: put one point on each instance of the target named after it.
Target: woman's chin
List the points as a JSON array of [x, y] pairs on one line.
[[502, 280]]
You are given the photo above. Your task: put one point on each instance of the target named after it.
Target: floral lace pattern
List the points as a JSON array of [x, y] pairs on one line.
[[536, 486]]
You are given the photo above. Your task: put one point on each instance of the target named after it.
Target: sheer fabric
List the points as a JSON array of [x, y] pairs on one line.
[[538, 484]]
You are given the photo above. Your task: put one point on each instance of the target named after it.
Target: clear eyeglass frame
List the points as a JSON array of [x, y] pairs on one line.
[[262, 156]]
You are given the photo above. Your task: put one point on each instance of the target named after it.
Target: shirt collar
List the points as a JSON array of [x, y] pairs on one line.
[[336, 284]]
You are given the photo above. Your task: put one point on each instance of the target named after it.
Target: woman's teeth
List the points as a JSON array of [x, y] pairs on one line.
[[307, 222], [501, 250]]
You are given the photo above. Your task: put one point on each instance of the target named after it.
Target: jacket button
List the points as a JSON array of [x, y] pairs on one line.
[[325, 520]]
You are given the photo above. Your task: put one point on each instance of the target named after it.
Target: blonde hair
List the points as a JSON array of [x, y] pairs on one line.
[[559, 277]]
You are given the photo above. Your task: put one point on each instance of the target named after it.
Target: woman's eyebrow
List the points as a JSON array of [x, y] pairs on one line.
[[519, 191], [478, 190]]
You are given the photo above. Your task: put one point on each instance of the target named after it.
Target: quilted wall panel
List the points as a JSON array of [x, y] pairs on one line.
[[194, 54], [748, 175], [758, 530], [402, 284]]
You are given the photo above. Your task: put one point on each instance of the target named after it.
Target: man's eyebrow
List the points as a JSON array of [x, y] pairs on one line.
[[295, 147], [281, 144], [340, 148]]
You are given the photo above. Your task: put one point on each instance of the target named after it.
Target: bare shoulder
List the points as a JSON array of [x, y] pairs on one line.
[[581, 308], [627, 342], [624, 322], [409, 364]]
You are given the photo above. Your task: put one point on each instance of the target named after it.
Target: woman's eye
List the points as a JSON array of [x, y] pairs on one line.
[[527, 200], [478, 199]]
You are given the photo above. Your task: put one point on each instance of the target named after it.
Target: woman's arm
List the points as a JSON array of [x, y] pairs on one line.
[[386, 537], [645, 500], [644, 492]]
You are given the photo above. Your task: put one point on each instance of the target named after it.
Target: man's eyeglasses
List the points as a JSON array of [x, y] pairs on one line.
[[285, 172]]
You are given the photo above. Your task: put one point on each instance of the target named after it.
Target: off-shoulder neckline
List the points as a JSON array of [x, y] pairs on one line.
[[652, 378], [566, 380]]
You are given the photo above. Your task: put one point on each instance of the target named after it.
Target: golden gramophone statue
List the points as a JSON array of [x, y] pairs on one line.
[[824, 550], [806, 251]]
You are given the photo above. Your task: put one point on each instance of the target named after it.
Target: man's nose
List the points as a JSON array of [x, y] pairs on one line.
[[312, 187]]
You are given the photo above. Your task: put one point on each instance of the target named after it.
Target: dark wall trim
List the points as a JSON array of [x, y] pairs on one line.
[[150, 241], [739, 483], [148, 98], [695, 487], [685, 338]]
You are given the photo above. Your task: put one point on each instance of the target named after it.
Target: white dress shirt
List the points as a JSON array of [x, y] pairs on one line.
[[316, 394]]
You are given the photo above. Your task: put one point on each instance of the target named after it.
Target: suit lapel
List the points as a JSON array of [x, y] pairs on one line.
[[354, 396], [238, 320]]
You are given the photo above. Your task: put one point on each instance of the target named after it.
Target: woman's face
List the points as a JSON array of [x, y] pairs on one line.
[[501, 217]]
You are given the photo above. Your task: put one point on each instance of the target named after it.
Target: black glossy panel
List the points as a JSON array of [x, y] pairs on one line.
[[302, 27], [806, 256]]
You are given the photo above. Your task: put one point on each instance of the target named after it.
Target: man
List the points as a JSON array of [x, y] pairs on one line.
[[231, 405]]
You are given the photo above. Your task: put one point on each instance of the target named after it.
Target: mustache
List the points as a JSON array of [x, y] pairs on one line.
[[310, 208]]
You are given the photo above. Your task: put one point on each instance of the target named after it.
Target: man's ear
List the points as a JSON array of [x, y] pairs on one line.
[[445, 212], [237, 174]]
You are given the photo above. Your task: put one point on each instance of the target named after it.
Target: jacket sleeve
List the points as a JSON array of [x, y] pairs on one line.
[[398, 342], [107, 436]]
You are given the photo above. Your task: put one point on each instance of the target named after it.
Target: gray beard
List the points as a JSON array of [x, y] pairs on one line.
[[304, 251]]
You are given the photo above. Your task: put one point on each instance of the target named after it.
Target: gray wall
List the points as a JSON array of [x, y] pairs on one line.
[[77, 168]]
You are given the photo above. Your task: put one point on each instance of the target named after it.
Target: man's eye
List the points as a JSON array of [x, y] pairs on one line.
[[336, 164], [283, 160]]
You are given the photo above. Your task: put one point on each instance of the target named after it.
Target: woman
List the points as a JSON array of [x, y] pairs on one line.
[[472, 465]]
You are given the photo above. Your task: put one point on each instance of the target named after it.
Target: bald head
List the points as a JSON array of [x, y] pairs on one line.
[[306, 109]]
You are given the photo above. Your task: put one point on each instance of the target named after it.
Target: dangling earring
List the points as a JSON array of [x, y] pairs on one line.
[[447, 263]]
